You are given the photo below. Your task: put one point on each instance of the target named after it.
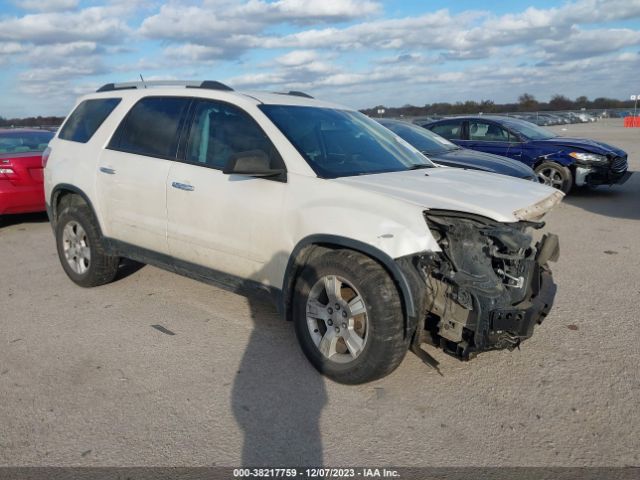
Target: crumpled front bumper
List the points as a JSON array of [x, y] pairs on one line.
[[487, 289], [616, 173], [510, 326]]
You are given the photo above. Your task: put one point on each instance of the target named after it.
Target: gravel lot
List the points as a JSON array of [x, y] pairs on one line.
[[86, 380]]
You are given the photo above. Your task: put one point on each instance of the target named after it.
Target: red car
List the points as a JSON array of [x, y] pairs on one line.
[[21, 189]]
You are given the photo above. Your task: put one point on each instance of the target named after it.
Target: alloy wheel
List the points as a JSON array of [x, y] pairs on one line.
[[337, 319], [551, 177], [75, 246]]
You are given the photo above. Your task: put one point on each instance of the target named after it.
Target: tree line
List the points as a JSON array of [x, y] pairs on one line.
[[526, 103], [31, 122]]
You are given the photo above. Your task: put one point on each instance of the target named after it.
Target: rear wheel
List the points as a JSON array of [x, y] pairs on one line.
[[348, 317], [555, 175], [80, 249]]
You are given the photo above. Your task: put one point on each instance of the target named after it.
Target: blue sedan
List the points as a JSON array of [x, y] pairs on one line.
[[560, 162], [443, 152]]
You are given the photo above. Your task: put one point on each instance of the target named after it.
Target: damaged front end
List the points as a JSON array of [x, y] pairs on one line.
[[488, 287]]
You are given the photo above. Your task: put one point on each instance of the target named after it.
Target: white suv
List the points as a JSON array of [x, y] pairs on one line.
[[368, 247]]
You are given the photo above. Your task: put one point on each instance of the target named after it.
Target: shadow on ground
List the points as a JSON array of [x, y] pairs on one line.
[[127, 267], [9, 220], [277, 396], [617, 201]]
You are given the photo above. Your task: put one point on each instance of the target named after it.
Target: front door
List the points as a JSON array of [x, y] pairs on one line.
[[228, 223], [490, 137]]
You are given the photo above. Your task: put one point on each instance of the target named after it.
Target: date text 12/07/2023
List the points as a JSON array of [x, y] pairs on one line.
[[315, 473]]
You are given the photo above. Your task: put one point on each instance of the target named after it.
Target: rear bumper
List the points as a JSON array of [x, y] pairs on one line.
[[20, 199]]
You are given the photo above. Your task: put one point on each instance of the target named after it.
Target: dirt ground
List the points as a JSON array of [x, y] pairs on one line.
[[86, 380]]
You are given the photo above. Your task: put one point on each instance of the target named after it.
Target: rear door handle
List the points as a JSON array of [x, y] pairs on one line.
[[107, 170], [182, 186]]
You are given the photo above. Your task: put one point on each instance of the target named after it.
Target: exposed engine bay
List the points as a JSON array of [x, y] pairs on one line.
[[489, 286]]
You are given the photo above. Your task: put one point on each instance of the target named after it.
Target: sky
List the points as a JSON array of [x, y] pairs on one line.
[[361, 53]]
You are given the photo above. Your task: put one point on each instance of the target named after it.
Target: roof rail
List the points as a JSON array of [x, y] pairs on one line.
[[207, 84], [297, 93]]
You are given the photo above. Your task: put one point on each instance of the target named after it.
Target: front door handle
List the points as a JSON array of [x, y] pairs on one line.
[[107, 170], [182, 186]]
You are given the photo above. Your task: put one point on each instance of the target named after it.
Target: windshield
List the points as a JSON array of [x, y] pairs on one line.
[[20, 142], [421, 138], [531, 130], [340, 143]]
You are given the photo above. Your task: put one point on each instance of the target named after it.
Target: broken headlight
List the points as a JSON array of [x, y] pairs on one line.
[[482, 255]]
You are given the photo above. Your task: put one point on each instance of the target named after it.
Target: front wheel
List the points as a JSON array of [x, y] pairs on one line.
[[348, 317], [555, 175]]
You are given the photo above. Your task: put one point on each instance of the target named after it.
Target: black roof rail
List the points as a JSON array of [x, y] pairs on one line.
[[207, 84], [297, 93], [107, 87], [214, 85]]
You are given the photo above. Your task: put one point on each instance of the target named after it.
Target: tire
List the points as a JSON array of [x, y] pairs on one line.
[[77, 231], [379, 344], [555, 175]]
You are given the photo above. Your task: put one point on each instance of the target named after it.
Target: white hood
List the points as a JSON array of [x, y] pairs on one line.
[[499, 197]]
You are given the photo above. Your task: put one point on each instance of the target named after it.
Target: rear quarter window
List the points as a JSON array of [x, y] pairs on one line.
[[87, 118]]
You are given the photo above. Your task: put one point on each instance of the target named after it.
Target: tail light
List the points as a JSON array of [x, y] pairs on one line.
[[6, 173], [45, 156]]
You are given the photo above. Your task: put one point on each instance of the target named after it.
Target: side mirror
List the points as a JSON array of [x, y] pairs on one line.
[[252, 163]]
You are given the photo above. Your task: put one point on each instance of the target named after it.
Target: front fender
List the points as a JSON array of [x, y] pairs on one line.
[[559, 155], [403, 275]]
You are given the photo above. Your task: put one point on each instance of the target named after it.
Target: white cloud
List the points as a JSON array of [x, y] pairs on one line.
[[190, 52], [308, 11], [61, 52], [46, 5], [234, 27], [589, 43], [297, 58], [91, 24], [9, 48], [342, 49]]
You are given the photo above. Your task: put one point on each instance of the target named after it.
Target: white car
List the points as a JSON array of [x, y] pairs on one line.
[[367, 246]]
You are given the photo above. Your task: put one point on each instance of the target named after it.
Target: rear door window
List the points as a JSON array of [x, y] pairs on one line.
[[152, 127], [451, 130], [87, 118]]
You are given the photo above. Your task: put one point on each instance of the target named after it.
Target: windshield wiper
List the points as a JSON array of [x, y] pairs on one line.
[[419, 166]]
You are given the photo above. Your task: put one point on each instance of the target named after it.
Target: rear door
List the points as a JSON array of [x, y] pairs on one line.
[[133, 171], [229, 223]]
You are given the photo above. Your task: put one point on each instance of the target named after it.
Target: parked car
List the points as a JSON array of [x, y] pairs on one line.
[[354, 234], [586, 117], [443, 152], [21, 189], [560, 162]]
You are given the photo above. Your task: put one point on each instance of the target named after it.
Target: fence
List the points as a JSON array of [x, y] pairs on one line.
[[631, 122]]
